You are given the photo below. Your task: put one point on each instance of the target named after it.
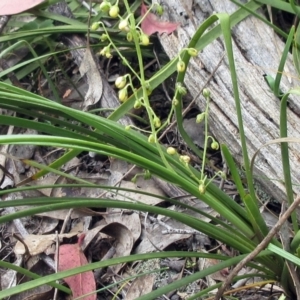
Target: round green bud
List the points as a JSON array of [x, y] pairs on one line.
[[171, 150], [144, 39], [103, 37], [202, 188], [192, 52], [105, 6], [206, 93], [215, 145], [127, 127], [114, 11], [137, 104], [120, 82], [151, 138], [95, 26], [159, 9], [175, 101], [157, 122], [180, 66], [200, 118]]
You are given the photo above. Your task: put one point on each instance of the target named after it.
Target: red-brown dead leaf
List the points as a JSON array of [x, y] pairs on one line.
[[152, 24], [71, 256], [12, 7]]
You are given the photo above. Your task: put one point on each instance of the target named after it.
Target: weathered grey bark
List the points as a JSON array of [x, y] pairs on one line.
[[257, 50]]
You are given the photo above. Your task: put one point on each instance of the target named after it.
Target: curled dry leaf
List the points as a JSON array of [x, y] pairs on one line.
[[37, 244], [152, 24], [124, 241], [71, 256]]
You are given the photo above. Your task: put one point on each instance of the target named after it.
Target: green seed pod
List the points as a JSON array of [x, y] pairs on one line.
[[192, 52], [105, 6], [103, 37], [175, 102], [215, 145], [123, 95], [95, 26], [137, 104], [151, 138], [159, 9], [171, 150], [180, 66], [200, 118], [144, 39], [157, 122], [206, 93], [202, 188], [114, 11]]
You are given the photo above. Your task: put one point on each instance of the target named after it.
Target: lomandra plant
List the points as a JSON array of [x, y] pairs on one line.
[[240, 227]]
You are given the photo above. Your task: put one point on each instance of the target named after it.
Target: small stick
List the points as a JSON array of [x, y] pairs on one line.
[[261, 246]]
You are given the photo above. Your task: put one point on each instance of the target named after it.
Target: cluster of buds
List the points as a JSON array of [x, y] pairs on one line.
[[112, 10], [180, 89], [120, 83], [106, 52], [143, 38], [185, 159]]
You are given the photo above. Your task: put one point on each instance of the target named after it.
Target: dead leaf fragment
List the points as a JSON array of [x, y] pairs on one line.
[[89, 68], [140, 286], [71, 256], [152, 24], [12, 7], [37, 244]]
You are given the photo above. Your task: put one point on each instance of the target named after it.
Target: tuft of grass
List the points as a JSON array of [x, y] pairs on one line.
[[240, 227]]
